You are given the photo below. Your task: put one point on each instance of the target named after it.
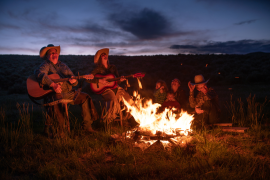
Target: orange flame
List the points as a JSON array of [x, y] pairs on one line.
[[148, 118]]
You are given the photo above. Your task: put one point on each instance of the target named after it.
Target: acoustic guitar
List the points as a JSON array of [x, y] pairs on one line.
[[37, 92], [100, 88]]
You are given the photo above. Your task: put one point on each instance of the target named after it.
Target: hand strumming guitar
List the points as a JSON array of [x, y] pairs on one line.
[[72, 81], [103, 81], [56, 87]]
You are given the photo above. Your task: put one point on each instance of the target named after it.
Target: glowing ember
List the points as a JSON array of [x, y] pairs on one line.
[[151, 121]]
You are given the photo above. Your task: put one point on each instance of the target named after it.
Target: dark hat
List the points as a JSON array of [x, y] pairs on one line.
[[199, 79]]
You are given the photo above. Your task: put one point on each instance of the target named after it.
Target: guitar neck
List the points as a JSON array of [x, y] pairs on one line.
[[117, 79], [66, 79]]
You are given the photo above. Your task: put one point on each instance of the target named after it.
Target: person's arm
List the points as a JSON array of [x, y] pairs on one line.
[[115, 72], [192, 100], [41, 74], [73, 82], [94, 72], [156, 93]]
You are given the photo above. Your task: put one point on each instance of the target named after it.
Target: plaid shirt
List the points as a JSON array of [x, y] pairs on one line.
[[159, 97], [47, 68], [202, 98]]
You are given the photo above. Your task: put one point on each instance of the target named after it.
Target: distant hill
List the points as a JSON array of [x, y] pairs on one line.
[[225, 69]]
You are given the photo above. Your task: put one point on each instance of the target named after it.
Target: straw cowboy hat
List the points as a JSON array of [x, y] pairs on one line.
[[199, 79], [43, 50], [99, 52]]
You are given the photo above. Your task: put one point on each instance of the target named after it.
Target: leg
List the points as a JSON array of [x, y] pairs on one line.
[[55, 112], [197, 122], [211, 113], [122, 93], [89, 112], [112, 104]]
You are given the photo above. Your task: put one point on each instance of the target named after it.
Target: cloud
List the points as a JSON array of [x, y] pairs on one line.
[[145, 24], [246, 22], [8, 26], [228, 47]]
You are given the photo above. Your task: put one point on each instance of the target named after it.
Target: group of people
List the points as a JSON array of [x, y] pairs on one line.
[[173, 98], [204, 106], [205, 103]]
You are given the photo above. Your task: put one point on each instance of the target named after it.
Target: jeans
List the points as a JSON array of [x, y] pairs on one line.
[[88, 113], [112, 101]]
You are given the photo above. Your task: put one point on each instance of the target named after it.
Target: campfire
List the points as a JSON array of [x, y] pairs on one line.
[[150, 121], [154, 127]]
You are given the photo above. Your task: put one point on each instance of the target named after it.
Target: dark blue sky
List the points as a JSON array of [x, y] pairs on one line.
[[135, 27]]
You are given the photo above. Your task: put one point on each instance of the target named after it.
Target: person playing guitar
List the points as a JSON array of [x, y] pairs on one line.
[[112, 94], [52, 65]]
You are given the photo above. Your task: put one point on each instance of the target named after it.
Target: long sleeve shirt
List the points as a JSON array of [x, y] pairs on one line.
[[47, 68], [159, 97], [201, 98], [180, 96]]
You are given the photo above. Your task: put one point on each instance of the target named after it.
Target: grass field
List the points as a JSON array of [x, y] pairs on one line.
[[26, 153]]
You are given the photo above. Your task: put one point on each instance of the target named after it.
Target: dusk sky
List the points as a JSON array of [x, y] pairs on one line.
[[135, 27]]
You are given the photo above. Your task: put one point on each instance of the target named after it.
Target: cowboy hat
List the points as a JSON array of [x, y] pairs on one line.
[[99, 52], [43, 50], [199, 79]]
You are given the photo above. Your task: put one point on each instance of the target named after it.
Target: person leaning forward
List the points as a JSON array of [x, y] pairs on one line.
[[52, 65], [206, 103]]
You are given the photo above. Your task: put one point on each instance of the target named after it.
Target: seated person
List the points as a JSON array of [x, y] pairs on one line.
[[179, 93], [170, 102], [206, 103], [52, 65], [160, 92], [112, 96]]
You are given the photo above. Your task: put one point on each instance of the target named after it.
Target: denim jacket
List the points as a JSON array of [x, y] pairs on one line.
[[47, 68]]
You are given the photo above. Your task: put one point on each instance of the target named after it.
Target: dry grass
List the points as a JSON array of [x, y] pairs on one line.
[[27, 154]]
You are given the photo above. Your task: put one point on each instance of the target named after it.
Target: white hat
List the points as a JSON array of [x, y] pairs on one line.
[[99, 52], [43, 50]]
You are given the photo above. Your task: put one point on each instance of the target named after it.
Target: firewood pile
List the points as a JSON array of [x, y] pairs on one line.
[[160, 141]]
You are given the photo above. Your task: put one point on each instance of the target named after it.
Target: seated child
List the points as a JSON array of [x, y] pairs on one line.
[[170, 102], [160, 92]]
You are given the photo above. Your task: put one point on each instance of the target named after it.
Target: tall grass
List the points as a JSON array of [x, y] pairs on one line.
[[28, 155], [249, 113], [14, 134]]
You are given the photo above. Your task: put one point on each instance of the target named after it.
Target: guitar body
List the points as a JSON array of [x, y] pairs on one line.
[[37, 92], [98, 89]]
